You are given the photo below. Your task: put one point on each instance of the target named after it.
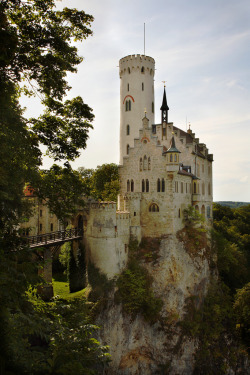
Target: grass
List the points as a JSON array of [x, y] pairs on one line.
[[61, 288]]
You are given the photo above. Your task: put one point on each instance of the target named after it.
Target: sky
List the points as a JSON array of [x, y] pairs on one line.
[[201, 50]]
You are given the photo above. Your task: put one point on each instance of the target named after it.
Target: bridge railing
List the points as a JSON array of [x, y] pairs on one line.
[[60, 235]]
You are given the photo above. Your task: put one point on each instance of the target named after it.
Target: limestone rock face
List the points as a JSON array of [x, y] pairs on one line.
[[138, 347]]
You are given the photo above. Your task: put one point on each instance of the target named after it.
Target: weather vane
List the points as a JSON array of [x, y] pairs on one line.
[[164, 83]]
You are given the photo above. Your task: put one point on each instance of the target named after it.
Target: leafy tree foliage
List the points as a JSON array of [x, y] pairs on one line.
[[102, 183], [242, 310]]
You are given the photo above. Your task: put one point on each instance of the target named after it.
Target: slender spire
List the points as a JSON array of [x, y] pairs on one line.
[[164, 107], [172, 147]]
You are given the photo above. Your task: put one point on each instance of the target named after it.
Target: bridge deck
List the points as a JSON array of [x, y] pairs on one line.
[[54, 238]]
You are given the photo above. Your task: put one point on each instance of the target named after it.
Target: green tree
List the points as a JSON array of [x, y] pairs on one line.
[[242, 310]]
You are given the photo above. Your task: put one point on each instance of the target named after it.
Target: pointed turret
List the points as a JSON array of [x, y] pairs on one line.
[[164, 108], [172, 147]]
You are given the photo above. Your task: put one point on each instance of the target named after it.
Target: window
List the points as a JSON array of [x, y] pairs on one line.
[[153, 129], [153, 107], [158, 185], [128, 130], [147, 186], [127, 149], [208, 212], [142, 69], [128, 186], [143, 186], [128, 86], [186, 187], [203, 169], [134, 213], [179, 213], [195, 188], [128, 70], [151, 72], [145, 162], [164, 131], [176, 186], [149, 164], [51, 227], [140, 164], [128, 105], [41, 213], [203, 210], [197, 208], [153, 208], [142, 86], [175, 158], [181, 187], [163, 185], [171, 158], [41, 227], [132, 185]]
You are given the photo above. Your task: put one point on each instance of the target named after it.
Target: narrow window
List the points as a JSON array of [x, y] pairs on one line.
[[126, 105], [203, 190], [41, 213], [209, 189], [203, 168], [128, 70], [145, 162], [208, 211], [158, 185], [142, 69], [142, 86], [128, 185], [153, 129], [175, 157], [128, 130], [149, 164], [153, 107], [186, 187], [171, 158], [128, 86], [129, 105], [51, 227], [41, 227], [181, 187], [140, 164], [132, 185], [134, 213], [127, 149], [176, 186], [194, 187], [143, 186], [153, 208], [179, 213], [163, 185], [203, 210], [197, 208], [147, 186]]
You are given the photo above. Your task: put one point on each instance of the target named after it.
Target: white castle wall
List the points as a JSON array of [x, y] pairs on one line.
[[107, 237], [137, 85]]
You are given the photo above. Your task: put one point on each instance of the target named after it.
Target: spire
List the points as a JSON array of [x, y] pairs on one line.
[[172, 147], [164, 107]]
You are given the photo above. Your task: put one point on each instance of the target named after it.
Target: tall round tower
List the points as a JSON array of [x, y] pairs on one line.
[[136, 96]]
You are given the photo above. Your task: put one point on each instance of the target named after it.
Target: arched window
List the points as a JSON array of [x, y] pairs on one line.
[[195, 188], [149, 164], [128, 70], [142, 86], [197, 208], [163, 185], [140, 164], [147, 186], [175, 157], [171, 158], [209, 189], [128, 186], [128, 86], [128, 105], [203, 189], [158, 185], [132, 185], [127, 149], [153, 207], [128, 129], [145, 162], [203, 210], [142, 69], [143, 186], [208, 211]]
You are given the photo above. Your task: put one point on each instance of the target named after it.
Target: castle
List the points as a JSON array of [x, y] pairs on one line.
[[163, 170]]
